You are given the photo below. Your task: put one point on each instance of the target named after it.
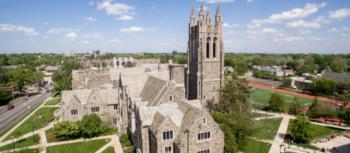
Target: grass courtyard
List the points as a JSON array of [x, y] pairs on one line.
[[53, 101], [256, 147], [33, 140], [260, 98], [109, 150], [38, 120], [267, 129], [79, 147]]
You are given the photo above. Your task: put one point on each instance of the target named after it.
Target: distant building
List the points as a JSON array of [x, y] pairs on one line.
[[301, 83], [342, 78], [275, 70]]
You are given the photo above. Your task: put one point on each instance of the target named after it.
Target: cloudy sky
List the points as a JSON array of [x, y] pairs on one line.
[[275, 26]]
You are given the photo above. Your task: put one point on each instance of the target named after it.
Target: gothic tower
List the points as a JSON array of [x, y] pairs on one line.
[[205, 53]]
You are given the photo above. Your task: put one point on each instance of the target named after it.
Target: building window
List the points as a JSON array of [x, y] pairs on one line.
[[115, 107], [204, 120], [95, 109], [214, 49], [167, 135], [204, 151], [114, 121], [204, 136], [207, 50], [168, 149], [170, 98], [74, 111]]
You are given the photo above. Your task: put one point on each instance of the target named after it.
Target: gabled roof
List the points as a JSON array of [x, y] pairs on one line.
[[152, 88], [337, 77], [108, 96]]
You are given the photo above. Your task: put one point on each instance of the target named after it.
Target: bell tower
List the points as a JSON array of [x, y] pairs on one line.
[[205, 53]]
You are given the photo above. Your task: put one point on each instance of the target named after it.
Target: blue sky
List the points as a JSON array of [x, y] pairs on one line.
[[119, 26]]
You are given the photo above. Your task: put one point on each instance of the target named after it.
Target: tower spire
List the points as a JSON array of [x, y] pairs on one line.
[[218, 16], [202, 13], [193, 17], [208, 17]]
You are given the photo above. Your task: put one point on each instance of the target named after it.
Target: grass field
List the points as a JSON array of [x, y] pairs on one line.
[[318, 131], [256, 147], [267, 129], [38, 120], [79, 147], [33, 140], [53, 101], [109, 150], [261, 97]]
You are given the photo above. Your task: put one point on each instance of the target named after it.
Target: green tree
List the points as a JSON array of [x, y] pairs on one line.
[[300, 129], [63, 76], [314, 108], [295, 108], [241, 67], [181, 59], [21, 76], [286, 82], [276, 103], [66, 130], [233, 114], [339, 64], [323, 86], [91, 125]]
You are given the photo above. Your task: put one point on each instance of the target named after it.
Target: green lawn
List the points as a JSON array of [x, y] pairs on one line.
[[79, 147], [256, 147], [53, 101], [261, 97], [38, 120], [267, 129], [109, 150], [33, 140], [318, 131], [256, 115], [28, 151]]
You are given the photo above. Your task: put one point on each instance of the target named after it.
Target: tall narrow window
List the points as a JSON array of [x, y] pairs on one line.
[[207, 49], [214, 49]]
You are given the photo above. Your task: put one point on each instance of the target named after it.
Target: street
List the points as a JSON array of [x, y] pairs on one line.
[[9, 118]]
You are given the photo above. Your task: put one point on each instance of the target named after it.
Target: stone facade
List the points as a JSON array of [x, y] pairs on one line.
[[205, 55]]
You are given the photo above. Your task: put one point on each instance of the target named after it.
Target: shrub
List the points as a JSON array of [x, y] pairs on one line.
[[276, 103], [66, 129], [91, 125]]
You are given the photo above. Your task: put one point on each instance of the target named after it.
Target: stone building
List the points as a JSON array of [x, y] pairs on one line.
[[162, 107], [205, 55]]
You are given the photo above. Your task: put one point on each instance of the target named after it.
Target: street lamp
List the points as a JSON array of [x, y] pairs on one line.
[[13, 144]]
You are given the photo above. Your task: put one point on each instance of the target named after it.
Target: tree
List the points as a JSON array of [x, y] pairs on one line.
[[300, 129], [66, 129], [91, 125], [339, 64], [21, 76], [63, 76], [295, 108], [323, 86], [241, 67], [276, 103], [314, 108], [5, 96], [232, 113], [181, 59], [286, 82]]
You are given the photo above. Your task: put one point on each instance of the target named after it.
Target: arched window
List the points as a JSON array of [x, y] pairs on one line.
[[208, 47], [214, 48]]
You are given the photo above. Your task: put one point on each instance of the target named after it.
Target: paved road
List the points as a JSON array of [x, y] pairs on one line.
[[11, 117]]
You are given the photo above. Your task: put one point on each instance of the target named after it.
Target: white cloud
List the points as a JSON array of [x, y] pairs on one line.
[[57, 31], [90, 19], [304, 32], [294, 14], [71, 35], [85, 42], [315, 38], [334, 29], [93, 35], [115, 40], [340, 14], [215, 1], [303, 24], [134, 29], [119, 10], [228, 25], [18, 28], [250, 1], [269, 30], [288, 39], [91, 3]]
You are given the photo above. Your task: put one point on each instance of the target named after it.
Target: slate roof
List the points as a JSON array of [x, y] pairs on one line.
[[153, 87], [109, 96], [337, 77]]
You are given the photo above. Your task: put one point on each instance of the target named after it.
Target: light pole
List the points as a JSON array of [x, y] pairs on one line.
[[13, 144]]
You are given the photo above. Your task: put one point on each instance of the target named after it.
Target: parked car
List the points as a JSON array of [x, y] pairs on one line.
[[10, 106]]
